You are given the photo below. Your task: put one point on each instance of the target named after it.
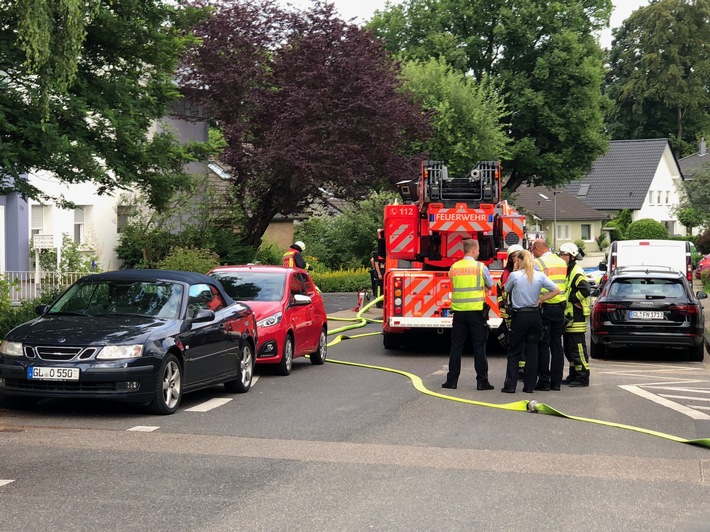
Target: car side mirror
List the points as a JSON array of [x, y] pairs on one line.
[[701, 295], [202, 315], [594, 291], [300, 299], [41, 309], [602, 266]]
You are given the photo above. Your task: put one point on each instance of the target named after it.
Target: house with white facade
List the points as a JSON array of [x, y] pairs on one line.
[[96, 222], [640, 175]]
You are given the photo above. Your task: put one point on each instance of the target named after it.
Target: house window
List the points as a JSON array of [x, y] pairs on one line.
[[668, 197], [586, 232], [37, 227], [563, 231], [650, 197], [78, 225], [123, 214], [658, 197]]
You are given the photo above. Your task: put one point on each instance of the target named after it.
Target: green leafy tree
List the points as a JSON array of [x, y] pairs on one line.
[[82, 84], [659, 73], [306, 103], [646, 228], [689, 217], [543, 56], [467, 116], [346, 240], [696, 199]]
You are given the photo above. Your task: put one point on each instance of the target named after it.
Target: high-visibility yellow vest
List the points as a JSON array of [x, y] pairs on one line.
[[556, 269], [468, 287], [288, 259], [576, 276]]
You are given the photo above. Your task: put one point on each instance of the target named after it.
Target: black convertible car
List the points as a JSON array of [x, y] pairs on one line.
[[132, 335]]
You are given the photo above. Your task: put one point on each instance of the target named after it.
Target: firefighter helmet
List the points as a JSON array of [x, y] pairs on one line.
[[514, 249], [300, 245]]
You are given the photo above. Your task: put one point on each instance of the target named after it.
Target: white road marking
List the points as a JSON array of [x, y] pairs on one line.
[[691, 413], [5, 482], [211, 404], [686, 397], [678, 389], [143, 428]]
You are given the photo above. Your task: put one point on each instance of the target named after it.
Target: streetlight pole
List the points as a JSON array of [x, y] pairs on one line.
[[554, 207]]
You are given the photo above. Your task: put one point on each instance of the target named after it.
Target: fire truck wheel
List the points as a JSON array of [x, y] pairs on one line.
[[392, 341]]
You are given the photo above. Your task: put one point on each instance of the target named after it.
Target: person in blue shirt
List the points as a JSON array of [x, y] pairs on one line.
[[525, 286]]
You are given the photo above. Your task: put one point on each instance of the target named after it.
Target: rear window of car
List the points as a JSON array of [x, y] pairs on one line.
[[252, 286], [644, 288]]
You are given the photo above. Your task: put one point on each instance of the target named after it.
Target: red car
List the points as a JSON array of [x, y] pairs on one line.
[[703, 264], [289, 310]]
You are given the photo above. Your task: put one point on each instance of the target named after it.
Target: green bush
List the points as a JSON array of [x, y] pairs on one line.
[[646, 228], [580, 244], [601, 240], [15, 316], [702, 242], [343, 280], [269, 253], [189, 259]]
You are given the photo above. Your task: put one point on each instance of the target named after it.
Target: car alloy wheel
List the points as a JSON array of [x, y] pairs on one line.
[[246, 372], [168, 390], [321, 353], [287, 357]]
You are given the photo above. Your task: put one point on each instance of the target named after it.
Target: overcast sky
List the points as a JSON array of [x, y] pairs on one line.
[[363, 9]]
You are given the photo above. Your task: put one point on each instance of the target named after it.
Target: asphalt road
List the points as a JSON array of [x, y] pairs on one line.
[[350, 448]]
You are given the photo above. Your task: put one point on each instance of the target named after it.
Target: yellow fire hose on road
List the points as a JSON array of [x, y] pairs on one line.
[[520, 406]]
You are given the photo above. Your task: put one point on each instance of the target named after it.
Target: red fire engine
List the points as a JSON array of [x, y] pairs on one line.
[[424, 237]]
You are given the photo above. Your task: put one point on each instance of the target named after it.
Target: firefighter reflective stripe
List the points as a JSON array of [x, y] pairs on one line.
[[468, 289], [576, 277], [288, 259], [556, 270]]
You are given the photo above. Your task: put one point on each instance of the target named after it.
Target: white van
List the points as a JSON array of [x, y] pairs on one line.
[[674, 254]]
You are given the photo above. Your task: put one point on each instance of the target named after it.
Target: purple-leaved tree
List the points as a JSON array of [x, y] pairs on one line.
[[305, 101]]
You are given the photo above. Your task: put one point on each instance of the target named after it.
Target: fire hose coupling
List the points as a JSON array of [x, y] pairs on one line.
[[532, 407]]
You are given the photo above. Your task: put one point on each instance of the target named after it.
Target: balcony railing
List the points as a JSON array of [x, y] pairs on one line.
[[31, 285]]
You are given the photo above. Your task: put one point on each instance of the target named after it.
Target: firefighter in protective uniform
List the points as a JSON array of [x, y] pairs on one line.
[[551, 356], [293, 257], [576, 316]]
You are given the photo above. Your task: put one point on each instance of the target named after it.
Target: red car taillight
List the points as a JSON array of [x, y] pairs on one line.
[[606, 307], [685, 310], [599, 310]]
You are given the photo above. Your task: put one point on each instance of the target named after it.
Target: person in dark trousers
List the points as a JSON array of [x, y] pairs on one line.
[[293, 258], [576, 317], [504, 302], [551, 357], [377, 272], [470, 280], [525, 286]]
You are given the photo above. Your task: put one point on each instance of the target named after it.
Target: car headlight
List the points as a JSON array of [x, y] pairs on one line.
[[11, 349], [270, 321], [113, 352]]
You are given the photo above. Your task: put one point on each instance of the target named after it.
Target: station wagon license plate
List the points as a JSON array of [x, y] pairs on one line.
[[645, 315], [52, 374]]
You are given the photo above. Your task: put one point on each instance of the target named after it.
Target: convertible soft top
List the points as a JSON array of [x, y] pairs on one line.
[[189, 278]]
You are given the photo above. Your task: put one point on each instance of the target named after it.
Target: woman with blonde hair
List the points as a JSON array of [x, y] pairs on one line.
[[525, 286]]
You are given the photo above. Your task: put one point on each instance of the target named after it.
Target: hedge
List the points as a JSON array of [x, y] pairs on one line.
[[343, 280]]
